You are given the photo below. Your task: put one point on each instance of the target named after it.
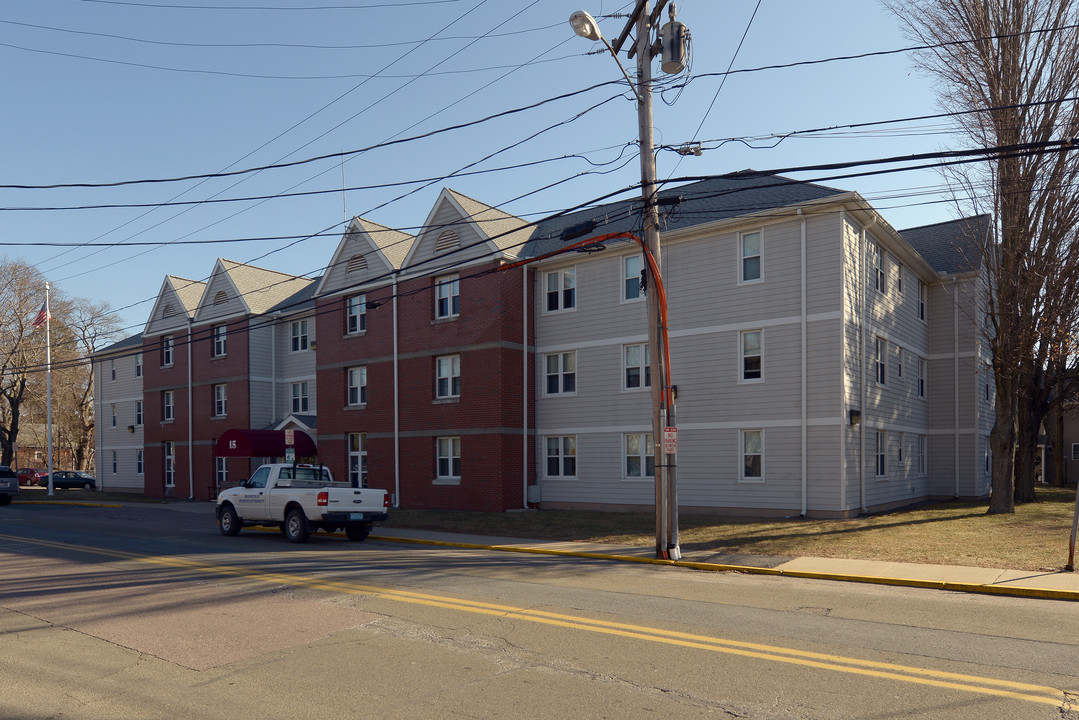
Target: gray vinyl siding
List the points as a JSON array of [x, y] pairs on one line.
[[708, 310], [260, 348], [123, 392], [233, 307]]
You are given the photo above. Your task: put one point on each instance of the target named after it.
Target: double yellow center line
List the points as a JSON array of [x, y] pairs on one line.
[[887, 671]]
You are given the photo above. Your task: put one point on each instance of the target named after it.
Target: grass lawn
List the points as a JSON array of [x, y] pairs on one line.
[[941, 533]]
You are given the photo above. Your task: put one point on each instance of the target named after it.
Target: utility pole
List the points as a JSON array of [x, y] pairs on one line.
[[667, 545], [666, 491]]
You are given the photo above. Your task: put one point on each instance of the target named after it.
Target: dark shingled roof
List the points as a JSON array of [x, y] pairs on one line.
[[302, 299], [128, 343], [741, 193], [954, 246]]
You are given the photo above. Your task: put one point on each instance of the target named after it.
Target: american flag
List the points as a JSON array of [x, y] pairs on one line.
[[42, 316]]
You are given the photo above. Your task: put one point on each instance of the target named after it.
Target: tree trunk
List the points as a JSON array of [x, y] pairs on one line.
[[1002, 441], [1026, 452]]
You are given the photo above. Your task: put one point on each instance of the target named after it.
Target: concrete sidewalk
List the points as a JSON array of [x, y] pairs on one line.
[[1050, 585]]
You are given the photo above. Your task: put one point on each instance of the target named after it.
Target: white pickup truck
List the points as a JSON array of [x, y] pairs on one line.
[[300, 499]]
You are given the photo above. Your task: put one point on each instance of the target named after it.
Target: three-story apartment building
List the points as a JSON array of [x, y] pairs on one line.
[[825, 363]]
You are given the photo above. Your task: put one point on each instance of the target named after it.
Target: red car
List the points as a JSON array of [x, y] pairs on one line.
[[32, 476]]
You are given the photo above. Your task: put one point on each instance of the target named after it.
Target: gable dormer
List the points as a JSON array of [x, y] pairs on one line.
[[460, 230], [220, 298], [368, 253], [175, 305]]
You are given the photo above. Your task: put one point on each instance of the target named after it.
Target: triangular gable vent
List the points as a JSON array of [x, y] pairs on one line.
[[356, 262], [448, 240], [221, 298]]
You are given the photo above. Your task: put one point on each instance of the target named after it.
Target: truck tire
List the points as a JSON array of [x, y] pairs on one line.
[[5, 499], [295, 527], [358, 531], [228, 521]]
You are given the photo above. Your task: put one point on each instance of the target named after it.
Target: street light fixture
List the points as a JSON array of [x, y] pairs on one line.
[[663, 425]]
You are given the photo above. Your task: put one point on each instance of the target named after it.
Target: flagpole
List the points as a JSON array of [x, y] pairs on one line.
[[48, 386]]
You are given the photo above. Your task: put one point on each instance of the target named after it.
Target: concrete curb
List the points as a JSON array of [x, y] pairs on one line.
[[978, 588]]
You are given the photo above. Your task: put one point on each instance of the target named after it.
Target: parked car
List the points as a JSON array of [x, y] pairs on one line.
[[71, 479], [9, 484], [33, 476]]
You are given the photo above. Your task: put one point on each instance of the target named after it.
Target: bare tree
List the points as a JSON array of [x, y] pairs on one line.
[[22, 348], [1010, 69]]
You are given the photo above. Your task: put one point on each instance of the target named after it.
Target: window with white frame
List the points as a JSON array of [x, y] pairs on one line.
[[166, 351], [447, 296], [356, 379], [752, 454], [138, 413], [138, 365], [219, 344], [168, 406], [562, 456], [115, 463], [881, 462], [923, 455], [899, 270], [561, 373], [750, 246], [561, 289], [139, 466], [448, 458], [357, 459], [300, 402], [221, 470], [221, 408], [880, 360], [987, 459], [631, 277], [112, 369], [752, 355], [113, 408], [448, 377], [923, 301], [299, 336], [899, 363], [636, 363], [921, 377], [900, 451], [355, 314], [880, 277], [169, 464], [640, 455]]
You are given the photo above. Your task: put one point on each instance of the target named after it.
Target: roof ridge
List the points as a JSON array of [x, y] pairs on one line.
[[979, 216]]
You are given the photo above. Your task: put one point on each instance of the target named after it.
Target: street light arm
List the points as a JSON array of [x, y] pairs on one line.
[[622, 67]]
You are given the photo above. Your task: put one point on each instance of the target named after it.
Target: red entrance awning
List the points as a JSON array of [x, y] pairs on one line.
[[239, 442]]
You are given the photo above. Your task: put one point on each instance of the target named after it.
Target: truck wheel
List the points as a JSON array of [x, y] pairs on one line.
[[5, 499], [229, 521], [358, 531], [295, 527]]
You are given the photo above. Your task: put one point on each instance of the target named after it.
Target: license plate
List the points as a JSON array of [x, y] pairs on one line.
[[357, 516]]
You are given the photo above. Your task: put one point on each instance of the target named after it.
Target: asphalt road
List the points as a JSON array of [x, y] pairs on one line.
[[143, 612]]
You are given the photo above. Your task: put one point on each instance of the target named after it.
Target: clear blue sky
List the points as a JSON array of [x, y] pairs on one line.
[[104, 90]]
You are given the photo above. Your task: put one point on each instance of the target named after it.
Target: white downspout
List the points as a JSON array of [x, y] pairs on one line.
[[273, 366], [396, 408], [524, 384], [190, 416], [805, 376], [955, 351]]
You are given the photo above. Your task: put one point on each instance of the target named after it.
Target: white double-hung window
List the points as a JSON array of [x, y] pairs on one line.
[[561, 289], [448, 377], [636, 363], [750, 247], [561, 373]]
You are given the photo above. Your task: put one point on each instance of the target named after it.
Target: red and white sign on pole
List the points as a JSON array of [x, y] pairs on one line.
[[670, 441]]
